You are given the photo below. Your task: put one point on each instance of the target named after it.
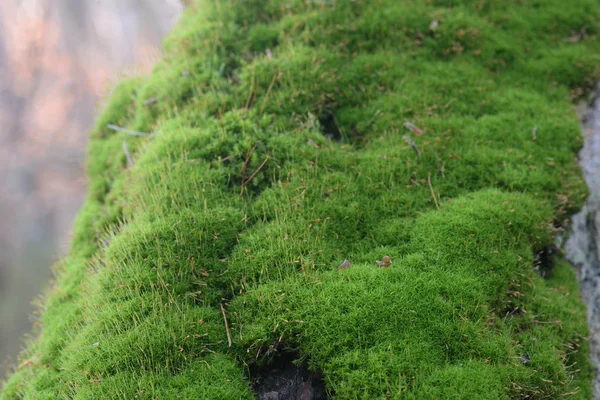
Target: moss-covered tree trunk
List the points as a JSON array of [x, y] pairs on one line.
[[286, 136]]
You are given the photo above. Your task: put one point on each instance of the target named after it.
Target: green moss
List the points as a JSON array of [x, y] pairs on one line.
[[264, 172]]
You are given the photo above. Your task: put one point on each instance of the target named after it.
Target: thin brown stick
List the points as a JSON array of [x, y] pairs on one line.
[[243, 173], [251, 88], [127, 131], [412, 144], [168, 291], [224, 106], [275, 77], [226, 325], [253, 175], [248, 155], [130, 163], [432, 192], [258, 169]]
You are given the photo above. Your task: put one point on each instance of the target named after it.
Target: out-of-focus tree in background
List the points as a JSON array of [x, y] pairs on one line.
[[58, 59]]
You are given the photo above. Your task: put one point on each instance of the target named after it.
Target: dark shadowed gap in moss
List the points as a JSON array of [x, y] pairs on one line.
[[330, 126], [544, 260], [287, 377]]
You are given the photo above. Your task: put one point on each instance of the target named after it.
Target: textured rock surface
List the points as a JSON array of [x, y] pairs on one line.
[[583, 245]]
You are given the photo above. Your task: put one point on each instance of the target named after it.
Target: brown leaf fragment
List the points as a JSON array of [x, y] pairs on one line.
[[412, 144], [150, 101], [28, 363], [386, 262], [434, 24], [345, 264], [414, 129]]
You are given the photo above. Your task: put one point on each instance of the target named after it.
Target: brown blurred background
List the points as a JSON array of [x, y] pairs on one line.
[[58, 60]]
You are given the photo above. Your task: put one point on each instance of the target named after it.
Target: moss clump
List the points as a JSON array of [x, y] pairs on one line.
[[265, 170]]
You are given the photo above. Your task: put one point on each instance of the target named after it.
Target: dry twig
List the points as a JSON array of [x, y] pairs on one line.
[[226, 325], [128, 155], [413, 144], [243, 173], [254, 174], [437, 206], [248, 155], [275, 77], [251, 88], [127, 131]]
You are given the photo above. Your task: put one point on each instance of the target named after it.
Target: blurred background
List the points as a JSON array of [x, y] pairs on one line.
[[58, 61]]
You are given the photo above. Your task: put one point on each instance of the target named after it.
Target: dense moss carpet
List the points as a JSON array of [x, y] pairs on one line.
[[286, 136]]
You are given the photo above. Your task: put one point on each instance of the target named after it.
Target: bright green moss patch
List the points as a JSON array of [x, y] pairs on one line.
[[435, 315], [264, 170]]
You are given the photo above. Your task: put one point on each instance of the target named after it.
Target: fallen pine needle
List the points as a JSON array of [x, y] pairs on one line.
[[413, 144], [128, 155], [254, 174], [437, 206], [248, 155], [226, 325], [275, 77], [124, 130], [251, 88]]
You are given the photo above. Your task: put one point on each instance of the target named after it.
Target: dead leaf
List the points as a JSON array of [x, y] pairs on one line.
[[345, 264], [434, 24], [417, 131], [386, 262]]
